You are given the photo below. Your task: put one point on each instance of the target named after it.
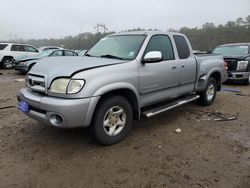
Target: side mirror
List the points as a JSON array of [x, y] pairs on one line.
[[152, 57]]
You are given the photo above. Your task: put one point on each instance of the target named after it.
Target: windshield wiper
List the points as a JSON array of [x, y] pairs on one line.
[[111, 56], [88, 55]]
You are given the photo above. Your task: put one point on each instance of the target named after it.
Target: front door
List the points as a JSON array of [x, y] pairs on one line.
[[159, 81]]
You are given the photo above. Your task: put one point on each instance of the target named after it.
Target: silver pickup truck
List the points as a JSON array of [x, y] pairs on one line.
[[124, 76]]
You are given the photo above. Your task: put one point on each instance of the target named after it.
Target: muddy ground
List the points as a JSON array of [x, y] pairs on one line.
[[207, 153]]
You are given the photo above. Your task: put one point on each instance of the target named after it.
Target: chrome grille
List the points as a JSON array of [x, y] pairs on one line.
[[36, 83], [231, 64]]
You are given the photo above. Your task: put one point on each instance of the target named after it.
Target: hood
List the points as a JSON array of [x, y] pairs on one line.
[[29, 58], [54, 67], [26, 58], [236, 57]]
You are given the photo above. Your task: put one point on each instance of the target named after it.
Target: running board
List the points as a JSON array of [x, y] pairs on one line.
[[171, 105]]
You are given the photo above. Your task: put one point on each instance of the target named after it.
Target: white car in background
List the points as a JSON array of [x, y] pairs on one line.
[[45, 48], [10, 51]]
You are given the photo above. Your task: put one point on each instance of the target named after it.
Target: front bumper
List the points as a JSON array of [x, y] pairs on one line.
[[73, 112], [238, 75]]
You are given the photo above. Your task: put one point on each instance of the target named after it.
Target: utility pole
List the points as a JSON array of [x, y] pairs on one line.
[[97, 29], [14, 37], [101, 25], [79, 45]]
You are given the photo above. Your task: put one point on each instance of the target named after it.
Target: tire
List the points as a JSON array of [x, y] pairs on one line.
[[207, 97], [112, 120], [247, 81], [7, 63]]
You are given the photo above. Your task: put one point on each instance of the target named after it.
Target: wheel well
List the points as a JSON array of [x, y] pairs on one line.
[[129, 95], [5, 57], [217, 77], [30, 66]]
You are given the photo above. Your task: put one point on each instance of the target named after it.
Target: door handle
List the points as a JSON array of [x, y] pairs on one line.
[[182, 65], [174, 67]]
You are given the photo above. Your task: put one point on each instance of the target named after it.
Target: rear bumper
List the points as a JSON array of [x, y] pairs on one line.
[[73, 112], [238, 75]]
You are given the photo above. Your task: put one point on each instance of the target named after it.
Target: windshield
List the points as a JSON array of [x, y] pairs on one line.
[[44, 53], [232, 50], [120, 47]]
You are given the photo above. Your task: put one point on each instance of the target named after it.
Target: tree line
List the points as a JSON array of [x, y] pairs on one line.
[[204, 38], [209, 36]]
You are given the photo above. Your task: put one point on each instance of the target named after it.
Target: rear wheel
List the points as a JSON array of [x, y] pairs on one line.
[[207, 97], [112, 120], [7, 63]]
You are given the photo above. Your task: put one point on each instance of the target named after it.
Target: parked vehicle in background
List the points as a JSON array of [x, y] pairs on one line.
[[45, 48], [25, 64], [124, 76], [82, 52], [10, 51], [237, 57], [199, 52]]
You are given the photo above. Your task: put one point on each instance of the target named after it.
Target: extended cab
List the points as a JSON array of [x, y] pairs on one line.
[[124, 76]]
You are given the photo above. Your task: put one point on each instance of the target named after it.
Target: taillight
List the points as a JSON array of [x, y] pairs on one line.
[[225, 65]]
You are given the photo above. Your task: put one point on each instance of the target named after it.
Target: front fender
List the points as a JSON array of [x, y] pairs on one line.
[[115, 86]]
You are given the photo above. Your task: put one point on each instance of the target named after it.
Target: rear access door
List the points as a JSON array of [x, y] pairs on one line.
[[188, 64]]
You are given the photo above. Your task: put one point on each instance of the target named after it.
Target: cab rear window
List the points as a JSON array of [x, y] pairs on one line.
[[2, 46], [182, 47]]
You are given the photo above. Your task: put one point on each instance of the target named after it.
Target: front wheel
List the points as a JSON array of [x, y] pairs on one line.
[[207, 97], [247, 81], [112, 120]]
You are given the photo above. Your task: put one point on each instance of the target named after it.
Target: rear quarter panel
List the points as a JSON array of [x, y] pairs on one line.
[[206, 66]]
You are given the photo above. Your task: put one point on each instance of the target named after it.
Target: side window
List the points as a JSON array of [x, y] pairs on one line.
[[182, 47], [2, 46], [57, 53], [163, 44], [17, 48], [69, 53], [30, 49]]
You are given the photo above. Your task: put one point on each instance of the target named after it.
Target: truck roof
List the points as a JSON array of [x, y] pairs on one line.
[[145, 33]]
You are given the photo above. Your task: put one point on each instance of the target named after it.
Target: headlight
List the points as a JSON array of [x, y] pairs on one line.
[[66, 86], [23, 63], [242, 65]]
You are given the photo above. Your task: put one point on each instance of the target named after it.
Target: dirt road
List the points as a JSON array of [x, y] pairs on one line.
[[207, 153]]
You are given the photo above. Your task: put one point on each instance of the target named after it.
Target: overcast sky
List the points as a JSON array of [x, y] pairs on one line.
[[58, 18]]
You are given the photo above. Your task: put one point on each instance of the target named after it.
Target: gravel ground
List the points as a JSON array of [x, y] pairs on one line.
[[207, 153]]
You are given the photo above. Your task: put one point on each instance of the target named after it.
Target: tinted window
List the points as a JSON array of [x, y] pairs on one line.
[[17, 48], [163, 44], [50, 48], [69, 53], [2, 46], [182, 47], [232, 50], [29, 49], [57, 53]]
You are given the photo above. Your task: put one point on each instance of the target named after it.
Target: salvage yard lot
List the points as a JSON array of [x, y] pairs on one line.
[[207, 153]]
